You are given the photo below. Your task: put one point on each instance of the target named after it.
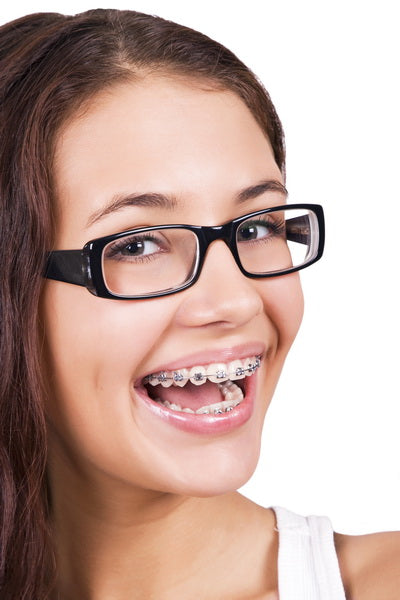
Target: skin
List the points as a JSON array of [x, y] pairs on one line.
[[137, 504], [112, 468]]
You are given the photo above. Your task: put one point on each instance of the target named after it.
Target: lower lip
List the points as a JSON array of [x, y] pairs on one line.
[[205, 424]]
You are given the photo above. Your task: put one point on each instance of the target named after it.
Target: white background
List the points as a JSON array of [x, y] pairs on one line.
[[331, 440]]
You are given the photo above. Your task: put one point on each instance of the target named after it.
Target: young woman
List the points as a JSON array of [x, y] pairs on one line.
[[149, 296]]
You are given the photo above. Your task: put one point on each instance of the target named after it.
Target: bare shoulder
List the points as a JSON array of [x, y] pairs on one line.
[[370, 565]]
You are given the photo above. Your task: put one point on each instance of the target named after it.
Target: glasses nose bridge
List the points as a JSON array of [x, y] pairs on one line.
[[217, 232]]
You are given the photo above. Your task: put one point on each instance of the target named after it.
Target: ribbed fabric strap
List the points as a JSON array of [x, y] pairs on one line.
[[308, 567]]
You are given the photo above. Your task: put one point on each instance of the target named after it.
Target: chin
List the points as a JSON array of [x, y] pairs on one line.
[[216, 471]]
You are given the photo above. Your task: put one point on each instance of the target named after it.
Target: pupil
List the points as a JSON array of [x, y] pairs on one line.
[[134, 248], [249, 232]]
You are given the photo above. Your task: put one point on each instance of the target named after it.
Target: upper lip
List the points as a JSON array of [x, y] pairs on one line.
[[206, 357]]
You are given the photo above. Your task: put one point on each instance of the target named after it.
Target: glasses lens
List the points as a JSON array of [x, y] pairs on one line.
[[278, 241], [150, 262]]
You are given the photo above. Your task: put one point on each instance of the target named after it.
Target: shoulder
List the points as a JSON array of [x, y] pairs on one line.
[[370, 565]]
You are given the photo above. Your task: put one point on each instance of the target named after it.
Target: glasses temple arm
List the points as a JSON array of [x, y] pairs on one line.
[[298, 230], [66, 265]]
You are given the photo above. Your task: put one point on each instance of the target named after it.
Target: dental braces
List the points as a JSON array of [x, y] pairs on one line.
[[220, 374]]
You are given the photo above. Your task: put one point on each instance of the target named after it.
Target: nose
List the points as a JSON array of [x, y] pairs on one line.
[[222, 295]]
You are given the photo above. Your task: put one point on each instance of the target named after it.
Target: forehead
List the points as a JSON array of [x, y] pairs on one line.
[[159, 135]]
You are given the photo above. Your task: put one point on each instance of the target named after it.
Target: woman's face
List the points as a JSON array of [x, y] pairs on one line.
[[200, 149]]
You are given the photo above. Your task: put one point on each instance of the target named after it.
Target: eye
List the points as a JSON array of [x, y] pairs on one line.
[[255, 230], [140, 247]]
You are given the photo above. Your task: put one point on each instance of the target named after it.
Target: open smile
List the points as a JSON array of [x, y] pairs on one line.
[[209, 398]]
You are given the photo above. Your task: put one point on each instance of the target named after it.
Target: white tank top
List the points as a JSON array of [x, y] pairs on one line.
[[308, 567]]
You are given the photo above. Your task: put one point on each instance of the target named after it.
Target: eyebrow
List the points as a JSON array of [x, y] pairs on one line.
[[156, 200]]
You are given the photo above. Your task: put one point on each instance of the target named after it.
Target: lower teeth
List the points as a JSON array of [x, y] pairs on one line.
[[231, 392]]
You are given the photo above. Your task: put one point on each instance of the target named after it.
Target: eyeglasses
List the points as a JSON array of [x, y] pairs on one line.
[[149, 262]]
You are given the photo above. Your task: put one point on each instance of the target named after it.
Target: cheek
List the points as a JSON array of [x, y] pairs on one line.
[[284, 304], [93, 352]]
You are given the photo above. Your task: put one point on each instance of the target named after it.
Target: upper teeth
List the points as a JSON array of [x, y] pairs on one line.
[[216, 372]]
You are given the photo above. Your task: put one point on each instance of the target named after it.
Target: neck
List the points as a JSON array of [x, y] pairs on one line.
[[115, 541], [110, 550]]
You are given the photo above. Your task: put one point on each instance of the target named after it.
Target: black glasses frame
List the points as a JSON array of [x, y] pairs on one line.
[[84, 267]]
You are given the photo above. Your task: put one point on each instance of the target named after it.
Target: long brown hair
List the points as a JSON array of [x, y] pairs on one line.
[[49, 65]]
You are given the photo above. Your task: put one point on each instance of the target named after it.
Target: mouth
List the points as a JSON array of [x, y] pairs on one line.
[[179, 390], [203, 398]]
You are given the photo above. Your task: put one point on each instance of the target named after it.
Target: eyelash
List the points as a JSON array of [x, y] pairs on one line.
[[118, 245], [277, 227]]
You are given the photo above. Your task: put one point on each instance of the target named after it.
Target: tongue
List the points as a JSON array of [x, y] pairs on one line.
[[190, 396]]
